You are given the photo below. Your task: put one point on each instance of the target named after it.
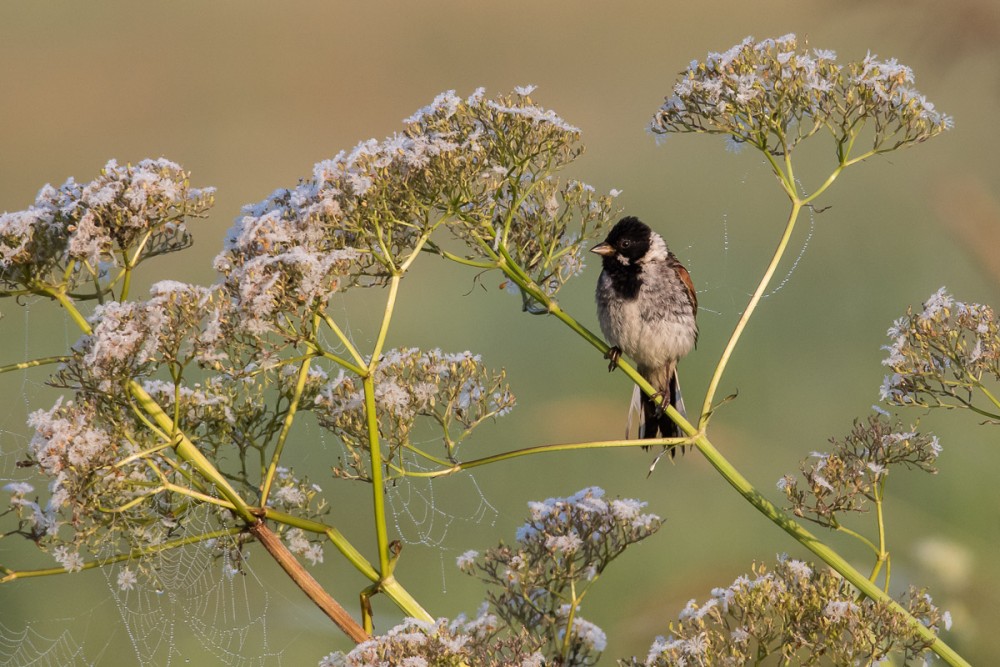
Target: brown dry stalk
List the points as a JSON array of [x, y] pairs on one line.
[[307, 583]]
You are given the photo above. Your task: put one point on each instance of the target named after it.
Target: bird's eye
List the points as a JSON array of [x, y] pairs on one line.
[[625, 243]]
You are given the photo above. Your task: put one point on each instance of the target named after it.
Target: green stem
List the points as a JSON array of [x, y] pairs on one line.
[[859, 537], [346, 342], [883, 555], [706, 409], [33, 363], [993, 399], [189, 452], [545, 449], [568, 634], [390, 304], [459, 259], [11, 575], [126, 283], [70, 308], [286, 427], [378, 482]]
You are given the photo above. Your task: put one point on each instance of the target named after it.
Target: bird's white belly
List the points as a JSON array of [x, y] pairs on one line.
[[650, 343]]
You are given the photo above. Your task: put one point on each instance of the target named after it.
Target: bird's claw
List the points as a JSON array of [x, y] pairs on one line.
[[614, 354], [661, 407]]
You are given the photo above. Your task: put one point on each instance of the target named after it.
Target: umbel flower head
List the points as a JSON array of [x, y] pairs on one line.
[[564, 546], [560, 551], [454, 392], [80, 230], [946, 355], [799, 615], [484, 169], [772, 94], [847, 478]]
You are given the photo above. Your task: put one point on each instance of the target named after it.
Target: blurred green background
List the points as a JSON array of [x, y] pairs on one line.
[[249, 95]]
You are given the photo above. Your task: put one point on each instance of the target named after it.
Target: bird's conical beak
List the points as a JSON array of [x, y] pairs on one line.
[[603, 249]]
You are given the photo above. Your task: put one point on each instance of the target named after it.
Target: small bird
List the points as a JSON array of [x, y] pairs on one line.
[[646, 305]]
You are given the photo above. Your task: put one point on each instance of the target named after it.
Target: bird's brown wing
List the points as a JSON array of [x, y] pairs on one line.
[[685, 277]]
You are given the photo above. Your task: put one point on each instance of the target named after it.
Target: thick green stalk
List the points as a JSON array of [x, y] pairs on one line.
[[70, 308], [188, 451]]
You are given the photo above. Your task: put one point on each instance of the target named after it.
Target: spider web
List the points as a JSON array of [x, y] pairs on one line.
[[722, 287], [197, 604], [200, 599], [419, 517], [193, 607], [30, 647]]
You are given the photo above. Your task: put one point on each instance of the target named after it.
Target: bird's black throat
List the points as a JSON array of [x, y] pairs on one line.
[[626, 279]]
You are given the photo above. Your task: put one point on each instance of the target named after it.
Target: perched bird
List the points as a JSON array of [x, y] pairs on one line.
[[646, 305]]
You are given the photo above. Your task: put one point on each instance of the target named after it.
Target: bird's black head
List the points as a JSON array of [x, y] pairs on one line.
[[628, 240]]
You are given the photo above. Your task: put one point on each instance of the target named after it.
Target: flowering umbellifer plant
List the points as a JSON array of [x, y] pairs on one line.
[[183, 405]]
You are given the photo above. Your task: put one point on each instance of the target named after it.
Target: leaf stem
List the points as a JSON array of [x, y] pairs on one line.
[[12, 575], [42, 361]]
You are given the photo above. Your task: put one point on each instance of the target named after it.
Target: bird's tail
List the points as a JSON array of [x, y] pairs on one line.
[[653, 421]]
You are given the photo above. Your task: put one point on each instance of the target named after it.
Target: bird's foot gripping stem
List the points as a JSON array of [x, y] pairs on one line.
[[614, 354]]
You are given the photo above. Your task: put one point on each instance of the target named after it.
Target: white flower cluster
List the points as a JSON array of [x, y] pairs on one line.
[[560, 551], [444, 643], [300, 545], [65, 441], [797, 614], [355, 221], [480, 167], [96, 224], [771, 94], [563, 523], [179, 323], [944, 356]]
